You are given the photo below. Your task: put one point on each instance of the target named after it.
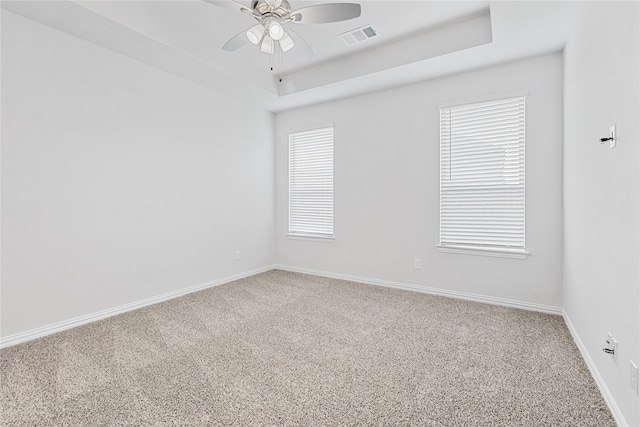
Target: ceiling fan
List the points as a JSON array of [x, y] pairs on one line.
[[273, 15]]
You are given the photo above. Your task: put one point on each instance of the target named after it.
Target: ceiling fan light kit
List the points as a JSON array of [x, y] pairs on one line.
[[273, 15]]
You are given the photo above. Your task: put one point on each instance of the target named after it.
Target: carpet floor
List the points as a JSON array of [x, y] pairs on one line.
[[283, 348]]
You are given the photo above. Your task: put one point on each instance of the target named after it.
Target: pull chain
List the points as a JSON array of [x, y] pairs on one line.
[[280, 65]]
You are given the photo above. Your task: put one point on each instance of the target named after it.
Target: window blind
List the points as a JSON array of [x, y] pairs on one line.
[[311, 183], [482, 174]]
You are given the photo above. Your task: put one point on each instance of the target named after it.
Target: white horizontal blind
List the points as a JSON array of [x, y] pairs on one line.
[[311, 183], [482, 160]]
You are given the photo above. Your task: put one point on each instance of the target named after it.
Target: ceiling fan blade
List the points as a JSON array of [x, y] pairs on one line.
[[323, 13], [231, 5], [302, 46], [236, 42]]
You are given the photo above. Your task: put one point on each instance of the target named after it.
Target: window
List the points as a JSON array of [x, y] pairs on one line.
[[311, 183], [482, 191]]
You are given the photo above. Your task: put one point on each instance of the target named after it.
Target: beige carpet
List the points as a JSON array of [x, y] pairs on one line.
[[282, 348]]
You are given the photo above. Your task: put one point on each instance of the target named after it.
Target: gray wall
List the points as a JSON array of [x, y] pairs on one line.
[[601, 190], [387, 186], [120, 181]]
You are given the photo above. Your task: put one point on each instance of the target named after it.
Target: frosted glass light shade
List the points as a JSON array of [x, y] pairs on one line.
[[267, 46], [255, 33], [286, 42], [275, 30]]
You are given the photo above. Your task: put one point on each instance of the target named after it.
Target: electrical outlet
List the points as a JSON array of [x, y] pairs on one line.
[[417, 264], [612, 135], [633, 376], [237, 255]]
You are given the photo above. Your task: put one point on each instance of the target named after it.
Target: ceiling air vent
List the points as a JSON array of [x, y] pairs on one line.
[[357, 36]]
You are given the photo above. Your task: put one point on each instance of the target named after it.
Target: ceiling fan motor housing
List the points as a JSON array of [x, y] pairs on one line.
[[274, 8]]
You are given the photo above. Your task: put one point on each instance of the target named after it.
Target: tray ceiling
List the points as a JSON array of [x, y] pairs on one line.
[[417, 40]]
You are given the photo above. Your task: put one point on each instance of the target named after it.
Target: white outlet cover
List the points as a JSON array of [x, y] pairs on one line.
[[633, 376]]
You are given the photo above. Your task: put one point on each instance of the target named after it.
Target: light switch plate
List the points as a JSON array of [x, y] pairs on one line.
[[613, 344], [612, 135]]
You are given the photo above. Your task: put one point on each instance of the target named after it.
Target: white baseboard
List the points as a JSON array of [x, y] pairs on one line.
[[81, 320], [430, 290], [602, 386]]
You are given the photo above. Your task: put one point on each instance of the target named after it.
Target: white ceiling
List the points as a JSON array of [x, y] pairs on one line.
[[417, 40]]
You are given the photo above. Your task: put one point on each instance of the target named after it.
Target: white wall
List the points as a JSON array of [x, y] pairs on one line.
[[387, 186], [601, 190], [120, 181]]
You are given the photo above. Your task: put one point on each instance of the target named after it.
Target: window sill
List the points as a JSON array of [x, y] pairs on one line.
[[479, 251], [326, 239]]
